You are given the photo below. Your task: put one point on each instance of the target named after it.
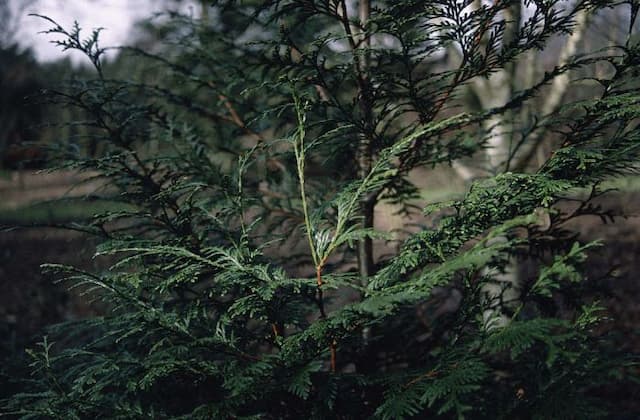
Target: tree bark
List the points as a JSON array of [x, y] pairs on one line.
[[364, 153]]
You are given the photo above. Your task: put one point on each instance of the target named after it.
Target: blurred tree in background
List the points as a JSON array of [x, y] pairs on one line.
[[19, 79]]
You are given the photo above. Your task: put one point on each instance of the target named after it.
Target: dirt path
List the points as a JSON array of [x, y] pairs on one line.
[[21, 188]]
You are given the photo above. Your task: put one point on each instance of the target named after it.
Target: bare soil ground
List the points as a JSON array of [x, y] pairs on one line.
[[30, 299], [21, 188]]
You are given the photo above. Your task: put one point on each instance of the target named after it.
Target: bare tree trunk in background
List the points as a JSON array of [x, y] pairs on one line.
[[492, 93], [498, 89], [505, 292], [557, 89]]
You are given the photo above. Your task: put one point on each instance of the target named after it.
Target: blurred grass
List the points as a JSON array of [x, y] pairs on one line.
[[61, 211], [5, 174], [623, 184], [73, 210]]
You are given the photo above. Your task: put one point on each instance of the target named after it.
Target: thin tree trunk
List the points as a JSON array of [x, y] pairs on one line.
[[364, 151], [364, 158], [204, 11]]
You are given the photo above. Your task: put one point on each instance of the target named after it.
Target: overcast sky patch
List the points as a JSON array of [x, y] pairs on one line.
[[117, 17]]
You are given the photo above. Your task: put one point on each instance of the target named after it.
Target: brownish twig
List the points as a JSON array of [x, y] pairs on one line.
[[332, 348], [235, 117], [431, 374], [320, 293], [323, 314]]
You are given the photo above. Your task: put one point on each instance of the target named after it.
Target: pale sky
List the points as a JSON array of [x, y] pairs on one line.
[[116, 16]]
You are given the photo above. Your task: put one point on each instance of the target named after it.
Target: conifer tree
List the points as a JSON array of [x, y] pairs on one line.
[[244, 283]]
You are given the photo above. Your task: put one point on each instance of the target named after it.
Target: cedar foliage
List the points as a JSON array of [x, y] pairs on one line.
[[250, 158]]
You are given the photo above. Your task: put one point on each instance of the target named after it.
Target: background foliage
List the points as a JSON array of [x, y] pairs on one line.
[[249, 155]]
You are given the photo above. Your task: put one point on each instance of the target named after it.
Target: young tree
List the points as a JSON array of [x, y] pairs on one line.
[[278, 127]]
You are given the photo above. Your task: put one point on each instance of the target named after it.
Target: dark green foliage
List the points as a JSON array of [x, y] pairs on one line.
[[250, 166]]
